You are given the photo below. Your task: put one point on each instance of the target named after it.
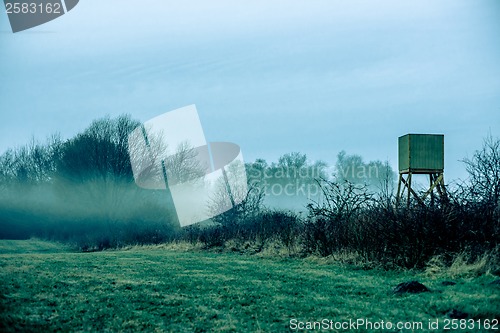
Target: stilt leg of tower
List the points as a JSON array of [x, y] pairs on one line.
[[398, 195], [408, 184]]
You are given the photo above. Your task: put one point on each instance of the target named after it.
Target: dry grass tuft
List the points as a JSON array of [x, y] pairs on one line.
[[463, 265]]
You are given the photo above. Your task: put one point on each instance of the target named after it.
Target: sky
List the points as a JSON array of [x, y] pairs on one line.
[[313, 76]]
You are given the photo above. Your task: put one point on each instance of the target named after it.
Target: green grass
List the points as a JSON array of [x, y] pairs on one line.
[[148, 289], [31, 246]]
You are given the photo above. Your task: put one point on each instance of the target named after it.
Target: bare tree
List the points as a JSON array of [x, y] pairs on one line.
[[249, 207], [484, 172], [184, 165], [95, 173], [480, 197]]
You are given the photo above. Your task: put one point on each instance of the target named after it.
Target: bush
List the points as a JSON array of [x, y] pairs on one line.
[[330, 224]]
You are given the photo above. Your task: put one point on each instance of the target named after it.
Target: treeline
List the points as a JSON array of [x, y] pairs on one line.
[[292, 182], [82, 191]]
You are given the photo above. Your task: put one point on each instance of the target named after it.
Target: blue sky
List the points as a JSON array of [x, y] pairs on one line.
[[314, 76]]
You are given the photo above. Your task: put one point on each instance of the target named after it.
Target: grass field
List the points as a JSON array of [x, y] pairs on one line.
[[162, 290]]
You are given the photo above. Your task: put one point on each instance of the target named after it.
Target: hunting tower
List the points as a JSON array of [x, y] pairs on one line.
[[421, 154]]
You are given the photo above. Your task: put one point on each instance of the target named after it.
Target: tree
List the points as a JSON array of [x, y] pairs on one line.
[[350, 168], [94, 170], [293, 161], [184, 165], [484, 172], [100, 153], [32, 164], [479, 199], [377, 175]]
